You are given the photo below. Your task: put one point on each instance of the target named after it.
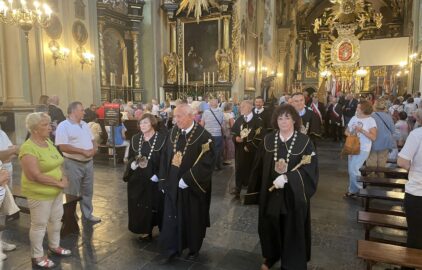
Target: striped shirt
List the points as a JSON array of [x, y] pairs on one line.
[[211, 124]]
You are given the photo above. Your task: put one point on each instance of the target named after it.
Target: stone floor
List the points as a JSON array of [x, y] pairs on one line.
[[231, 242]]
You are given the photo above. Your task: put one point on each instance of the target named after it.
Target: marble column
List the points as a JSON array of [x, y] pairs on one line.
[[136, 67]]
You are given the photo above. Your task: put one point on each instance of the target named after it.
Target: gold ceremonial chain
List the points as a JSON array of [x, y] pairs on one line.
[[178, 156], [281, 164], [141, 160]]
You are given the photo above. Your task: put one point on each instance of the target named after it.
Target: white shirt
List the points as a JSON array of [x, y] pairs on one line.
[[248, 117], [302, 112], [189, 128], [76, 135], [366, 124], [4, 145], [412, 150], [259, 111]]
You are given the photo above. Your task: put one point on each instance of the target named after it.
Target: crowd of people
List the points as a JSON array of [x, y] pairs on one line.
[[170, 161]]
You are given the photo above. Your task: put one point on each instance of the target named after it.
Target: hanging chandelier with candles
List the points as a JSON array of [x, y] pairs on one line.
[[25, 16]]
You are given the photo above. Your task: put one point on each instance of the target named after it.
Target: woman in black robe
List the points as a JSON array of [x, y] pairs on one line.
[[145, 200], [286, 185]]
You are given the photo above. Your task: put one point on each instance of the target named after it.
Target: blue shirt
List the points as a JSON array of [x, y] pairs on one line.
[[385, 131], [118, 138]]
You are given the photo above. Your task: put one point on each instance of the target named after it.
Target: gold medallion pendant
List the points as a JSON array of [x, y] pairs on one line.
[[177, 159], [304, 129], [142, 162], [280, 166], [244, 133]]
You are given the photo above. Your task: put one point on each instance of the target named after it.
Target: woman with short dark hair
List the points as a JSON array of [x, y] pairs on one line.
[[145, 200], [285, 175]]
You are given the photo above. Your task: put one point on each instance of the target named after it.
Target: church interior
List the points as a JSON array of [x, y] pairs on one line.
[[100, 51]]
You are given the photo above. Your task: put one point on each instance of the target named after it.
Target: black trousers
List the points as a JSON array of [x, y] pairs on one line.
[[413, 208], [336, 131]]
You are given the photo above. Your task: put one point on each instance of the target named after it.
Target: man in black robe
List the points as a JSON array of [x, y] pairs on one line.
[[284, 213], [263, 113], [247, 134], [311, 125], [185, 173]]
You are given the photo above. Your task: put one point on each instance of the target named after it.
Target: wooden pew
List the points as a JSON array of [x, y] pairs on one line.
[[382, 182], [371, 194], [70, 224], [387, 171], [371, 220], [374, 252]]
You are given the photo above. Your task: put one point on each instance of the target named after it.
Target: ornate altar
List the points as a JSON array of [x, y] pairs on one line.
[[328, 57], [200, 58], [118, 30]]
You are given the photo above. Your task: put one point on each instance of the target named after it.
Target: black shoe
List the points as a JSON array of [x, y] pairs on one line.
[[166, 259], [192, 256]]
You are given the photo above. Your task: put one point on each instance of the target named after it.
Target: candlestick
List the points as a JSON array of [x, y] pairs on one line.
[[208, 77], [213, 81], [131, 80], [187, 78], [123, 80], [204, 79], [127, 80]]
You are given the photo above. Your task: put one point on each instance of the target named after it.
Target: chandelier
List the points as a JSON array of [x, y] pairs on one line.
[[24, 16]]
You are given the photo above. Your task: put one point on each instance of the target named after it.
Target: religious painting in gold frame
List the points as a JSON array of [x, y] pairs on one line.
[[200, 42]]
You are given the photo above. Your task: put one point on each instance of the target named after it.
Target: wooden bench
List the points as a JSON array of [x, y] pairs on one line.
[[382, 182], [387, 171], [371, 194], [374, 252], [70, 224], [371, 220]]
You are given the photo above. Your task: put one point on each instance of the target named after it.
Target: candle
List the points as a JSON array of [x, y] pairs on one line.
[[208, 77], [123, 80], [131, 80], [213, 81], [187, 78], [204, 79], [178, 80], [111, 78], [183, 77], [127, 80]]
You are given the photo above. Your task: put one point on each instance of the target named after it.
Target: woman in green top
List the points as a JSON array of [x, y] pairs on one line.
[[42, 183]]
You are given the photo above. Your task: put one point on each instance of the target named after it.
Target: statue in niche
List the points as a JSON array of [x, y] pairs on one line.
[[80, 9], [171, 61], [223, 57]]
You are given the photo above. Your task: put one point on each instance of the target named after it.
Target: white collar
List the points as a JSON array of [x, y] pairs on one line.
[[248, 117], [286, 139], [189, 128], [258, 111], [302, 112]]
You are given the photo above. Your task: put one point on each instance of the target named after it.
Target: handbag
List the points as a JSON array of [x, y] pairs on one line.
[[351, 145], [8, 207]]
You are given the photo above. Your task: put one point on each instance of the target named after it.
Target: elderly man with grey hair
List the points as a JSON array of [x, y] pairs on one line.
[[185, 174], [247, 134]]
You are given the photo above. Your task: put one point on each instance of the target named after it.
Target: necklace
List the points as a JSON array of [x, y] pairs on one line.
[[281, 164], [143, 160], [178, 156]]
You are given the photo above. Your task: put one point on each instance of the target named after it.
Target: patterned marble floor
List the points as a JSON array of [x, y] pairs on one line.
[[231, 242]]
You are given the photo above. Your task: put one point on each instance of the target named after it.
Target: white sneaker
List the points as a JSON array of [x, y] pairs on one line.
[[8, 247], [2, 256]]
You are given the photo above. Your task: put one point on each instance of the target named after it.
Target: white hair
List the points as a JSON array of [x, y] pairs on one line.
[[34, 119]]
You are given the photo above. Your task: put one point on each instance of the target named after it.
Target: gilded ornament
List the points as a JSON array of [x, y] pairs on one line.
[[171, 61]]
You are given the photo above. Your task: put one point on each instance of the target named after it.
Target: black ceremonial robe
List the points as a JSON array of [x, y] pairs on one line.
[[284, 214], [265, 116], [186, 211], [245, 151], [145, 200], [311, 123]]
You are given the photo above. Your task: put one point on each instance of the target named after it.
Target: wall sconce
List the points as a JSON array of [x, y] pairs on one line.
[[361, 72], [58, 53], [85, 57]]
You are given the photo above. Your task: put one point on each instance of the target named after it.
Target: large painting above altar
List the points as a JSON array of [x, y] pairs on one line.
[[200, 45]]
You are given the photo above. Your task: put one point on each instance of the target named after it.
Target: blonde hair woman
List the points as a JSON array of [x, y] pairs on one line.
[[42, 183]]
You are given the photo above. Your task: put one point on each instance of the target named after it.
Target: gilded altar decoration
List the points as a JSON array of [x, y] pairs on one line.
[[351, 19], [224, 58], [196, 6], [171, 61]]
